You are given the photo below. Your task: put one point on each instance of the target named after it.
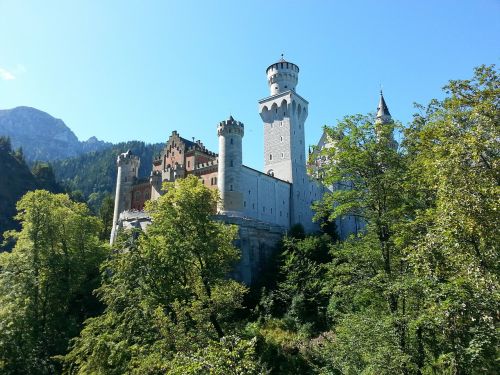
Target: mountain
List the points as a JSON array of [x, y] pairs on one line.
[[43, 137], [94, 173]]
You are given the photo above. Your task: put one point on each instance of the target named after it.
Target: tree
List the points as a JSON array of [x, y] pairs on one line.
[[417, 291], [166, 292], [364, 158], [106, 215], [46, 282], [45, 177], [452, 244]]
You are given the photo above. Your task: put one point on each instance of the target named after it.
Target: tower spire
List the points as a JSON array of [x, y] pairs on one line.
[[383, 114]]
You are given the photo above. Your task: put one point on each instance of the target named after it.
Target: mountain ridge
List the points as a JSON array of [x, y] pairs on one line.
[[42, 136]]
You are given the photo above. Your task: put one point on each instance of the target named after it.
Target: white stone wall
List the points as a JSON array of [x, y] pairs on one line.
[[265, 198]]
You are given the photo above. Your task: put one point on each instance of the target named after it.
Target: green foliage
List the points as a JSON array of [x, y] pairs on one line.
[[16, 181], [230, 355], [416, 292], [44, 174], [452, 244], [166, 293], [106, 215], [46, 282]]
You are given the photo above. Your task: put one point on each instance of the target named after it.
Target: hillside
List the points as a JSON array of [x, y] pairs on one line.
[[43, 137], [20, 180], [94, 173]]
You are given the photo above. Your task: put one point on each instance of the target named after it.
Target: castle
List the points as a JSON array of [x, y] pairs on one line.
[[264, 205]]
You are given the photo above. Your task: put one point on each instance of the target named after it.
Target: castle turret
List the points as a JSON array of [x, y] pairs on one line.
[[230, 134], [383, 121], [383, 114], [284, 114], [282, 76], [128, 169]]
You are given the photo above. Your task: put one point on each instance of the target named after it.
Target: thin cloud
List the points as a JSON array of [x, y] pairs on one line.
[[6, 75]]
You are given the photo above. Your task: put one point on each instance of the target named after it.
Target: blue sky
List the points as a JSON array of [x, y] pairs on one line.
[[123, 70]]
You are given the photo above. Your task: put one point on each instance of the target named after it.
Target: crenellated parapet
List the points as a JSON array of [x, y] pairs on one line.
[[282, 76], [230, 126]]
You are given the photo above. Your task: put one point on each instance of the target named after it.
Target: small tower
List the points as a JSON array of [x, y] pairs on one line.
[[230, 134], [383, 114], [384, 120], [284, 114], [128, 169]]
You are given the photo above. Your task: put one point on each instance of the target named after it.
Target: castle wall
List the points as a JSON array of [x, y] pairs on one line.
[[257, 242], [139, 195], [265, 198]]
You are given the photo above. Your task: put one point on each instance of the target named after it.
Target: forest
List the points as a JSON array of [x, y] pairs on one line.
[[415, 292]]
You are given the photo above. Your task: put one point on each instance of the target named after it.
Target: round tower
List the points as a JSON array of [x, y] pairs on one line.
[[282, 76], [128, 169], [229, 183]]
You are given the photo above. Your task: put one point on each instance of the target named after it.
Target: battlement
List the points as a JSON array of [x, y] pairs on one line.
[[230, 126], [126, 158], [206, 165], [282, 76]]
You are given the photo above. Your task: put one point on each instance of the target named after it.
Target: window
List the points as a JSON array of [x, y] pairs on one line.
[[244, 203], [189, 163], [282, 155], [270, 156], [231, 140], [281, 139], [232, 163], [230, 187]]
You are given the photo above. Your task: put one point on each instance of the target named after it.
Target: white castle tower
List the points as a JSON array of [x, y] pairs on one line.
[[230, 134], [284, 114], [128, 169]]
